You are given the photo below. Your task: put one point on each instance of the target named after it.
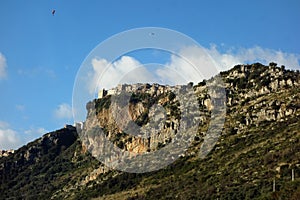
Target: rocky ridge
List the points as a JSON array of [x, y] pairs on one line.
[[259, 144]]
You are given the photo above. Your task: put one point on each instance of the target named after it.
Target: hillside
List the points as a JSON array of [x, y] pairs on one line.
[[256, 153]]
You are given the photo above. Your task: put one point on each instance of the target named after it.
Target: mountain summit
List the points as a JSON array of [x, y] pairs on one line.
[[256, 156]]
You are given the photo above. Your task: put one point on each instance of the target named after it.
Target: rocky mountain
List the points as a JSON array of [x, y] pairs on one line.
[[256, 155]]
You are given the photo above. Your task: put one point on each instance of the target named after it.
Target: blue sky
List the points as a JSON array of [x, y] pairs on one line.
[[40, 54]]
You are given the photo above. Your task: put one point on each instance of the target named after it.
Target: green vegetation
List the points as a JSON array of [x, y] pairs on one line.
[[103, 103], [260, 143]]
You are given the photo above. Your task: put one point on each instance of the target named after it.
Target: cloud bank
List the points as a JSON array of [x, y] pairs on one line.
[[125, 70], [209, 61], [233, 56], [9, 138], [13, 139], [192, 64]]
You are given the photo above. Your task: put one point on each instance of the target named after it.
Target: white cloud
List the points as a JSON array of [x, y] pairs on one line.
[[9, 138], [63, 111], [2, 66], [125, 70], [197, 63], [192, 64], [234, 56]]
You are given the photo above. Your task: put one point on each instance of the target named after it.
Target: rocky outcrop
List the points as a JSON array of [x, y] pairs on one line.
[[145, 103], [256, 88], [4, 153], [251, 86]]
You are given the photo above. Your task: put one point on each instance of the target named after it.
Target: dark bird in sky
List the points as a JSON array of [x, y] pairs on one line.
[[53, 12]]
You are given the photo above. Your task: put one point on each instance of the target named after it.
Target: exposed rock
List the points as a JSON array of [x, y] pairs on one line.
[[4, 153], [259, 142]]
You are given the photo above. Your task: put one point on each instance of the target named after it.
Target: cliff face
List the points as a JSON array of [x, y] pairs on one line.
[[253, 93], [259, 143], [144, 103]]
